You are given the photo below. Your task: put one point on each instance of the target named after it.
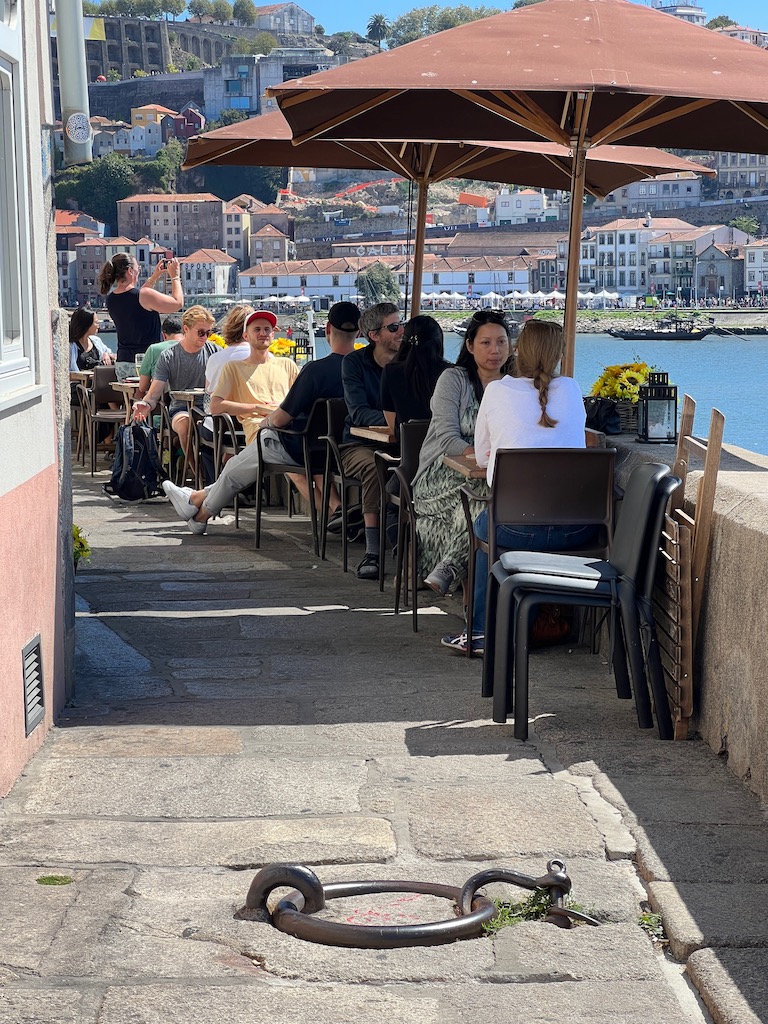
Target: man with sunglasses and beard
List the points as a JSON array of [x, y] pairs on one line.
[[182, 368], [361, 376]]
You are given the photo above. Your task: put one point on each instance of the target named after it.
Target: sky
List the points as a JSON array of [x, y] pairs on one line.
[[353, 15]]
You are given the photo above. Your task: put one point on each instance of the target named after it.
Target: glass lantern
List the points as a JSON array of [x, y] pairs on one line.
[[657, 410]]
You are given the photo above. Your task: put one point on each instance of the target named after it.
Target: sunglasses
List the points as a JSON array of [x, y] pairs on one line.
[[392, 328], [204, 332], [484, 316]]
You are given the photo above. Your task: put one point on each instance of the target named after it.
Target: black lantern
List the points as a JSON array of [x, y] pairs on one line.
[[657, 410]]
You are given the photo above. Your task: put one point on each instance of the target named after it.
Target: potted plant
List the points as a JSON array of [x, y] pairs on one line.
[[81, 549], [622, 383]]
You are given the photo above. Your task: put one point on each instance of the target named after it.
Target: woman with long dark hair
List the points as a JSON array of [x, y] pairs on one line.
[[86, 350], [443, 544], [408, 382], [136, 311]]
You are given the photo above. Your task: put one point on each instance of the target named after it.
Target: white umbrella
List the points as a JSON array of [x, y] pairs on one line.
[[555, 294], [457, 296], [538, 295], [301, 298]]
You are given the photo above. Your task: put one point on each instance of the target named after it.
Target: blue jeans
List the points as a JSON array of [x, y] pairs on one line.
[[522, 538]]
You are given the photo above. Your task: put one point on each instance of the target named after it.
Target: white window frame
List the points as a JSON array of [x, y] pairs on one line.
[[17, 352]]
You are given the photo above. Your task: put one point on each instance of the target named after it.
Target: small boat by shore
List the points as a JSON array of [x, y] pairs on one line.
[[672, 329]]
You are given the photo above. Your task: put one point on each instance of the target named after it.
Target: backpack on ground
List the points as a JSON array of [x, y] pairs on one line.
[[136, 471]]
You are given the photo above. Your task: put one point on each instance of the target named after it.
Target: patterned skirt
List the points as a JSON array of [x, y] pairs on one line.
[[440, 522]]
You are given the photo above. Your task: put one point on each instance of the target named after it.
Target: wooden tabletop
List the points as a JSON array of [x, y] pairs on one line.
[[188, 396], [81, 376], [126, 386], [466, 465], [374, 433]]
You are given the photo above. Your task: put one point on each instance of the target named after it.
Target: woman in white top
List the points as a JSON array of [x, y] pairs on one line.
[[534, 409]]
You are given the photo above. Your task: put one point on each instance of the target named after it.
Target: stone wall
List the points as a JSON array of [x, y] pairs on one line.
[[731, 679], [115, 99]]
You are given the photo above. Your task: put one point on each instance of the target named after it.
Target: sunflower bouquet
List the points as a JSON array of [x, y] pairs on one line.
[[217, 340], [282, 346], [622, 382]]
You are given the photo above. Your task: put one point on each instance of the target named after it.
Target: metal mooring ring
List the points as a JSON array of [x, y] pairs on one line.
[[292, 913]]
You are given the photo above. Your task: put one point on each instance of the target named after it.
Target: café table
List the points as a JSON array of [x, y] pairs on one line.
[[382, 434], [81, 377], [127, 388], [467, 464]]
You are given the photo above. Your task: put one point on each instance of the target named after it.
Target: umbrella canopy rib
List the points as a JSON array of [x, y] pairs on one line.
[[625, 126], [339, 119]]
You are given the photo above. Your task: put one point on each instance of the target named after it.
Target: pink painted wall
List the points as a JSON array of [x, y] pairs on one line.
[[32, 601]]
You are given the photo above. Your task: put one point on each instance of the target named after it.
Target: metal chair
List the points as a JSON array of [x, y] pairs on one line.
[[411, 440], [336, 411], [94, 402], [623, 583], [313, 430], [543, 487]]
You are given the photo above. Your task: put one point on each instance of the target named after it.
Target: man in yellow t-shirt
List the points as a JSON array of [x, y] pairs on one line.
[[249, 389]]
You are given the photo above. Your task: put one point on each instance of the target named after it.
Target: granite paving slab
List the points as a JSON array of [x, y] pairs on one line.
[[173, 787], [55, 844], [475, 822], [689, 853]]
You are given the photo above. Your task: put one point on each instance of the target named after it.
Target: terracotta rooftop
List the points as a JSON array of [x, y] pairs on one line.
[[174, 197], [207, 256]]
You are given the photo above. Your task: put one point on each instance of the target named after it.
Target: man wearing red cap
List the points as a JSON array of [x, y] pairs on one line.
[[249, 389]]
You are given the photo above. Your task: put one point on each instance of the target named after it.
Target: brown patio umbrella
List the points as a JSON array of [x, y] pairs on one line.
[[266, 141], [577, 72]]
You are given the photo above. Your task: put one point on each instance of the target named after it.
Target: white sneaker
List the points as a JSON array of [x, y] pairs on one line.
[[180, 499], [196, 527]]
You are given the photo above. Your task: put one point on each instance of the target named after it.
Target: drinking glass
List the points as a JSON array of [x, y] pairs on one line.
[[137, 359]]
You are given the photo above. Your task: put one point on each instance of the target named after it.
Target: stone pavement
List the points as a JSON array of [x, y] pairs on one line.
[[236, 708]]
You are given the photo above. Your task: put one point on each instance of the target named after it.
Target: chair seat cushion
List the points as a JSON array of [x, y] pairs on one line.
[[553, 564], [529, 582]]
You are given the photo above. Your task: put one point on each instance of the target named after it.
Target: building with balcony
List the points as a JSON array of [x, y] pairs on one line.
[[674, 259], [672, 191], [182, 223], [689, 12], [93, 253], [741, 175], [756, 268]]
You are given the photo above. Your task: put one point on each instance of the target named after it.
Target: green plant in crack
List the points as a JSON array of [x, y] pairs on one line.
[[54, 880], [533, 908], [653, 926]]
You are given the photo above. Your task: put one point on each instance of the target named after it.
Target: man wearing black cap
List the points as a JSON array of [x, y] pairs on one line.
[[319, 379]]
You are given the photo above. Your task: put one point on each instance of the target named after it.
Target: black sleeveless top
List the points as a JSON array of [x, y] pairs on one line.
[[137, 328]]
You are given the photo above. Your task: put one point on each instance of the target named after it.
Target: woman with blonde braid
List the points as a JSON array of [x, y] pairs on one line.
[[536, 408]]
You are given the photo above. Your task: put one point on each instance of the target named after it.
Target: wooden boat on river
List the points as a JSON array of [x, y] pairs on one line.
[[669, 329]]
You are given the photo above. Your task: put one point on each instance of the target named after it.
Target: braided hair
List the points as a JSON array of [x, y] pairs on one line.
[[539, 351]]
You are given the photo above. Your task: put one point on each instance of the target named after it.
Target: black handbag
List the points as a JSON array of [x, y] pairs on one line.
[[602, 414]]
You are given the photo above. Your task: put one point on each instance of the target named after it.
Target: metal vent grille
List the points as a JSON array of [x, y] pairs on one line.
[[34, 694]]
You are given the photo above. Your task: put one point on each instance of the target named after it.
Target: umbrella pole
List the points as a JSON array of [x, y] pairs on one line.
[[578, 174], [418, 248]]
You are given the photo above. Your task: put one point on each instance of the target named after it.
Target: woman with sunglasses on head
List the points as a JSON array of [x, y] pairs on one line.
[[136, 311], [535, 408], [443, 545]]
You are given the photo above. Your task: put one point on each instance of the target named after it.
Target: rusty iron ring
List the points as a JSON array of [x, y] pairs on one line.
[[292, 914], [556, 881]]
